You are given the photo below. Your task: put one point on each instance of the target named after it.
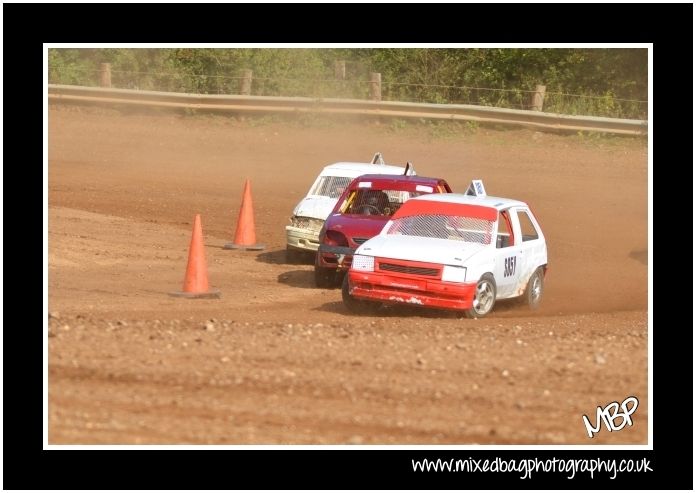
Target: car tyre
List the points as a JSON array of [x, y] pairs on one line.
[[484, 297], [535, 289]]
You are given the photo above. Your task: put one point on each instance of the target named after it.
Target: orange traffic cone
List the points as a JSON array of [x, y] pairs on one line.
[[245, 236], [196, 281]]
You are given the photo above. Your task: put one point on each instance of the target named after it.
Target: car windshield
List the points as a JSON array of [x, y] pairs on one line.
[[330, 186], [371, 202], [458, 228]]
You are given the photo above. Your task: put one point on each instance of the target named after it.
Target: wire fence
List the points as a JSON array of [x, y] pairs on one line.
[[606, 105]]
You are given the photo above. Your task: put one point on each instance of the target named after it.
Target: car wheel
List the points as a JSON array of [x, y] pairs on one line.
[[535, 289], [484, 297], [353, 304]]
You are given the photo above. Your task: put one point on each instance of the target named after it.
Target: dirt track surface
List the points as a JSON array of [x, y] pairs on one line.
[[282, 362]]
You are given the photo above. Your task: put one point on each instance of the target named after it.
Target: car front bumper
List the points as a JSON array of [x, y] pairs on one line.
[[302, 239], [414, 291]]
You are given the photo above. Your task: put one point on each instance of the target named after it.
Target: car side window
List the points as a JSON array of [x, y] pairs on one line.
[[505, 237], [529, 232]]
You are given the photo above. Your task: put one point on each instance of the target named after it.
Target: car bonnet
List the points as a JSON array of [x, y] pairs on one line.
[[316, 206], [420, 249]]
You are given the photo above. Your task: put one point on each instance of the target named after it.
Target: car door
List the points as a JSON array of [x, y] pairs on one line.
[[531, 247], [507, 255]]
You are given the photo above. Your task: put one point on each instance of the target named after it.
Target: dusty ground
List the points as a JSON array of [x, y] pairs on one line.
[[282, 362]]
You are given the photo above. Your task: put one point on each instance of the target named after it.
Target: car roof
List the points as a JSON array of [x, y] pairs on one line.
[[499, 203], [355, 169], [386, 180]]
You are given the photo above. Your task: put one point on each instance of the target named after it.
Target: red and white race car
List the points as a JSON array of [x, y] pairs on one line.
[[452, 251]]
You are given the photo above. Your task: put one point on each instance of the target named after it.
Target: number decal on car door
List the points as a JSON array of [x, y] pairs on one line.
[[510, 263]]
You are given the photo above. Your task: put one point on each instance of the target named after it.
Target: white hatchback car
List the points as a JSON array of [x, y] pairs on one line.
[[309, 215], [452, 251]]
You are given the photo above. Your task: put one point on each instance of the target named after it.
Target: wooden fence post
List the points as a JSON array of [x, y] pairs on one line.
[[245, 82], [538, 98], [105, 75], [340, 69], [376, 86]]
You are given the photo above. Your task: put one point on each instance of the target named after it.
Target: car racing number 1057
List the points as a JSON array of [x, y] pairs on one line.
[[510, 263]]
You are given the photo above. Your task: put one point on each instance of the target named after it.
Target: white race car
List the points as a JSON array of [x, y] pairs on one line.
[[309, 215], [452, 251]]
